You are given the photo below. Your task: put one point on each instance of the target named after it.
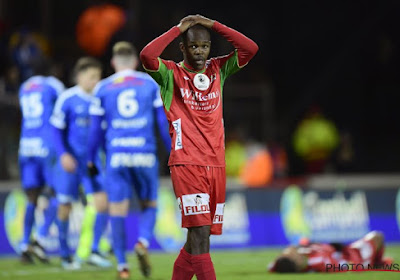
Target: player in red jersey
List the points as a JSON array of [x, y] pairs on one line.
[[192, 95], [365, 253]]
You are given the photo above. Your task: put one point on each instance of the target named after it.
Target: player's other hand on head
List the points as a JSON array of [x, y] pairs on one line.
[[68, 162]]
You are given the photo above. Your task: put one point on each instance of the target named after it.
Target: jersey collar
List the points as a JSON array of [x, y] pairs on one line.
[[191, 69]]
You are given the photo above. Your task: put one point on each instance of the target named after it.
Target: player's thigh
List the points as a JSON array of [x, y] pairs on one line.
[[66, 185], [192, 190], [31, 172], [93, 184], [118, 185], [146, 182]]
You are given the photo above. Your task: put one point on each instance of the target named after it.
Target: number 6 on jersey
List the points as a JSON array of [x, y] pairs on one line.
[[127, 104]]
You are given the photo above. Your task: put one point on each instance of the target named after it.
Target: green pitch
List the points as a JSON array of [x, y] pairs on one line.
[[229, 265]]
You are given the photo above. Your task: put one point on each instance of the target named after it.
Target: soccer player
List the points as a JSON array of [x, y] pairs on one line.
[[321, 257], [130, 103], [191, 91], [71, 129], [37, 97]]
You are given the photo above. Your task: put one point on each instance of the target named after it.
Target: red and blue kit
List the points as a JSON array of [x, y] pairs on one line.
[[193, 105]]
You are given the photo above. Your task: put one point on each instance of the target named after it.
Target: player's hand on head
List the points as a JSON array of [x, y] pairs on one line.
[[199, 19], [186, 23], [68, 162]]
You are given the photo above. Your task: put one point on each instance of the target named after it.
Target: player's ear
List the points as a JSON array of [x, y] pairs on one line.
[[112, 63], [182, 47]]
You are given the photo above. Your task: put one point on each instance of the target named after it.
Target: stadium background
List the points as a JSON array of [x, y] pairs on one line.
[[334, 62]]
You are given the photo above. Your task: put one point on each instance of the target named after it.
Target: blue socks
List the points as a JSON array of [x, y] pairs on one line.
[[63, 238], [49, 216], [98, 229], [118, 238], [28, 223], [147, 221]]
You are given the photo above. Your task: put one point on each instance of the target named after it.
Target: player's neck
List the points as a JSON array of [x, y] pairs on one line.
[[190, 68]]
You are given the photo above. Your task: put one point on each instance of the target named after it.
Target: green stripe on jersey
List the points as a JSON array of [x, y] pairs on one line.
[[165, 78]]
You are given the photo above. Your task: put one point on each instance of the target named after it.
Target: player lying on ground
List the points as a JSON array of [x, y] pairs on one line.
[[365, 253]]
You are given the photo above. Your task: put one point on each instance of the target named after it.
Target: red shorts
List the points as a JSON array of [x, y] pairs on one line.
[[200, 192]]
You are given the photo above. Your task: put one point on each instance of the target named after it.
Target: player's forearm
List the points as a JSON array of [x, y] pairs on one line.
[[246, 47], [59, 142], [96, 136], [150, 53], [163, 128]]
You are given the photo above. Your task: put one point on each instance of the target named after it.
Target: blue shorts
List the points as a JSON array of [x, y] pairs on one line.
[[67, 184], [122, 181], [36, 171]]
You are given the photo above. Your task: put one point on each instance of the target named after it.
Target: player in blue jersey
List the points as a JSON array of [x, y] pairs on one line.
[[71, 128], [37, 96], [130, 103]]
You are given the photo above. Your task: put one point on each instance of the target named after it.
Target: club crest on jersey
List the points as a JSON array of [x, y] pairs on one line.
[[201, 81]]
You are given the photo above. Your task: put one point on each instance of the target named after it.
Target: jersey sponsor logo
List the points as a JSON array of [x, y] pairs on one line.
[[201, 81], [219, 214], [128, 142], [132, 160], [178, 131], [195, 204], [32, 147], [132, 123], [198, 101]]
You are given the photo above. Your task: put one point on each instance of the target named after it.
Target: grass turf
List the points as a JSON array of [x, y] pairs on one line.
[[229, 265]]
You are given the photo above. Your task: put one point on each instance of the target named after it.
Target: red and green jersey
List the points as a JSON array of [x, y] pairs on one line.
[[193, 99], [193, 105]]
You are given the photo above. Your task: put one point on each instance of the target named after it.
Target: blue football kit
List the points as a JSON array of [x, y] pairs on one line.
[[36, 155], [37, 97], [71, 123], [130, 105]]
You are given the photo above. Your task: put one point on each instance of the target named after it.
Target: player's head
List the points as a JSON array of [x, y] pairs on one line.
[[195, 46], [291, 260], [87, 73], [124, 56], [285, 264]]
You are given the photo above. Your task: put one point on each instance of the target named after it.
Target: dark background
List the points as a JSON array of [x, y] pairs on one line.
[[340, 55]]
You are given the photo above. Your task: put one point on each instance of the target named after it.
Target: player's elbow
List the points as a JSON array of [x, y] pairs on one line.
[[253, 49]]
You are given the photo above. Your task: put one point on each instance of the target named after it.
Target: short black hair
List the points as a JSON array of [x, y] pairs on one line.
[[285, 265], [195, 27]]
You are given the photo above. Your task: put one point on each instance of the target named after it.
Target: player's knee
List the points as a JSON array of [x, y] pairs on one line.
[[148, 204], [33, 194], [200, 236], [64, 211]]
